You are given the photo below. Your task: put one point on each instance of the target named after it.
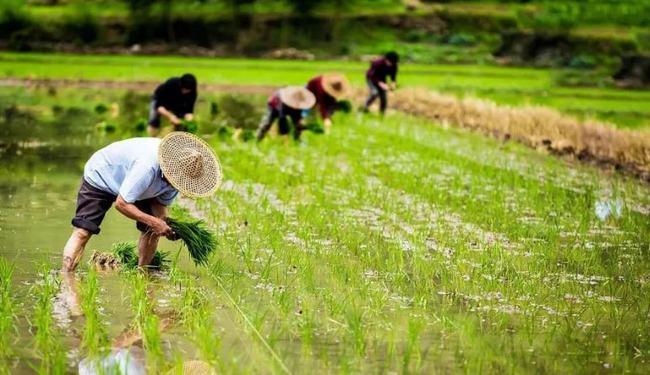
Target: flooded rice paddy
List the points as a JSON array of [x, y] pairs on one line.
[[387, 246]]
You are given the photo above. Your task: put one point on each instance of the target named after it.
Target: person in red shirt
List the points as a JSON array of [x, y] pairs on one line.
[[380, 69], [286, 103], [328, 89]]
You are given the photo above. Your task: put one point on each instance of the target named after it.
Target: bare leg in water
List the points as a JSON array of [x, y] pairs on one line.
[[74, 249]]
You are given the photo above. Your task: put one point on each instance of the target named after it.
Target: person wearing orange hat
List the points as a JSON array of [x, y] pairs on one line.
[[328, 89]]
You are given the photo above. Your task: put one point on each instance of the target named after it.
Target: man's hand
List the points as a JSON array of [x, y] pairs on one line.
[[188, 117], [172, 117], [384, 86], [160, 227]]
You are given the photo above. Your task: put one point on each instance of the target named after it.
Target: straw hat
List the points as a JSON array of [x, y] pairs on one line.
[[297, 97], [336, 85], [189, 164]]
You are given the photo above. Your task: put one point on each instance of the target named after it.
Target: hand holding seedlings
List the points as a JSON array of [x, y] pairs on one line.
[[160, 227], [142, 176]]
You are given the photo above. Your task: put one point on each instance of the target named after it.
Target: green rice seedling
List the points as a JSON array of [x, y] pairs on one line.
[[199, 241], [95, 335], [7, 313], [146, 322], [47, 339], [127, 254], [189, 126]]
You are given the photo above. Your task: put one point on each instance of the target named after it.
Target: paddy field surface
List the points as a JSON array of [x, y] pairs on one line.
[[389, 245]]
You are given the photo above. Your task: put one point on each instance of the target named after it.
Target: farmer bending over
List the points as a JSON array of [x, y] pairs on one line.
[[142, 176], [381, 68], [173, 99], [287, 102], [328, 89]]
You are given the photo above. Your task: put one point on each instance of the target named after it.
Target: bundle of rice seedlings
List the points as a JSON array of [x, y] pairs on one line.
[[127, 254], [314, 127], [199, 241], [344, 106], [189, 126]]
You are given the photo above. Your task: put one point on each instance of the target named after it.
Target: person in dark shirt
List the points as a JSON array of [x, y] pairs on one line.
[[286, 103], [174, 100], [328, 89], [380, 69]]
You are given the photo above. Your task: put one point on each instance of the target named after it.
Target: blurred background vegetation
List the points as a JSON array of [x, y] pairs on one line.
[[589, 36]]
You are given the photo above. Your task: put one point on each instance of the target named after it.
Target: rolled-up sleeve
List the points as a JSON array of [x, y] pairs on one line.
[[167, 197], [137, 182]]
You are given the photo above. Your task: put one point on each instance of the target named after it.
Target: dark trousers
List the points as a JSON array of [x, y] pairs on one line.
[[284, 127], [376, 92]]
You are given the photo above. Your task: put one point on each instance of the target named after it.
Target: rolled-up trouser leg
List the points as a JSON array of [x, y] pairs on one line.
[[267, 120]]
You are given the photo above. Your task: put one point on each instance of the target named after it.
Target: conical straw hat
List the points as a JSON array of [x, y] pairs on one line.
[[297, 97], [189, 164], [336, 85]]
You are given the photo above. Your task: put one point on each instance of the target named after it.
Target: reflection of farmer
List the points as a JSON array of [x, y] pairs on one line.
[[175, 100], [376, 78], [142, 176], [126, 355], [285, 103], [328, 90]]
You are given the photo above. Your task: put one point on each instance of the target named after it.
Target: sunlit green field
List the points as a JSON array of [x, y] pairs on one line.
[[506, 85], [392, 245]]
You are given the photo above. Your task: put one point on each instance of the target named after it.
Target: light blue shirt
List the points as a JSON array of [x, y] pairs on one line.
[[130, 168]]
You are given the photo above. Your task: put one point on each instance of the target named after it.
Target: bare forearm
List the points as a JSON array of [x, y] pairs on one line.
[[163, 111], [132, 212]]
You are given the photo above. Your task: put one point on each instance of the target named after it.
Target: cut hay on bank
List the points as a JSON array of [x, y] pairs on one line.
[[537, 127]]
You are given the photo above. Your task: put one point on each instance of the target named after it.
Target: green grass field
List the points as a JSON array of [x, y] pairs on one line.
[[396, 246], [389, 245], [506, 85]]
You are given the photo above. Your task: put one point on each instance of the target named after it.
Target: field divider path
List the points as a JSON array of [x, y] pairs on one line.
[[538, 127]]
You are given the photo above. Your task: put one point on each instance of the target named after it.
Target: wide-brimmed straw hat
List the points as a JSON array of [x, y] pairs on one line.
[[336, 85], [189, 164], [297, 97]]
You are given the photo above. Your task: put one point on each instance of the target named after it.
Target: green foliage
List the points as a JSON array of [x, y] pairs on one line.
[[7, 313], [95, 335], [82, 25], [461, 39], [101, 108], [47, 338], [314, 127], [199, 241], [345, 106], [238, 111], [13, 17], [127, 254], [190, 126]]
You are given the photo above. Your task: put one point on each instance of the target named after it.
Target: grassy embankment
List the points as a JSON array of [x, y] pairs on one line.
[[505, 85]]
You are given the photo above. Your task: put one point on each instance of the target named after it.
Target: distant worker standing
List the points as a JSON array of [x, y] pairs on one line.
[[329, 89], [284, 104], [174, 100], [380, 69]]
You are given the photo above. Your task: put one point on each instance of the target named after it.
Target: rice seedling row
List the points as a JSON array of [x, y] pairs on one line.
[[484, 273]]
